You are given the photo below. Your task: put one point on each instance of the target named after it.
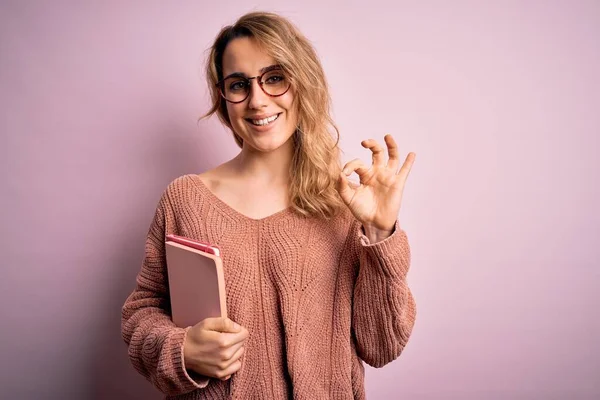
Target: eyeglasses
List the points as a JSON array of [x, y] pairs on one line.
[[236, 88]]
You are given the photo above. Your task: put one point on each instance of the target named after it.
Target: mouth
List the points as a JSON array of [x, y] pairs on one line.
[[263, 121]]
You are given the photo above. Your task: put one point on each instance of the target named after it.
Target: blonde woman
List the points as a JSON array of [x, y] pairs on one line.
[[315, 266]]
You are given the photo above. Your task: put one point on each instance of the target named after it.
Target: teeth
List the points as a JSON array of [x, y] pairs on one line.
[[265, 121]]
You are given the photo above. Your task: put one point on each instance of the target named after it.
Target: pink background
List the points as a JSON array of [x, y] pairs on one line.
[[500, 101]]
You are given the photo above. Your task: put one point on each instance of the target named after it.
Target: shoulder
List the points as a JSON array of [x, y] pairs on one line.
[[185, 199], [182, 185], [181, 190]]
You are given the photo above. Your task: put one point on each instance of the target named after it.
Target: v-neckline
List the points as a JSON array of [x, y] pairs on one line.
[[232, 211]]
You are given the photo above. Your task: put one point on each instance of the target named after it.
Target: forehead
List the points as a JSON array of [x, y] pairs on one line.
[[245, 56]]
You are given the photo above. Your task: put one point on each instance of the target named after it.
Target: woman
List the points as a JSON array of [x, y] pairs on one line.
[[315, 266]]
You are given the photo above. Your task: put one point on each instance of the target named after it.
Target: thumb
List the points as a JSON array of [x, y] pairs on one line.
[[343, 187], [224, 325]]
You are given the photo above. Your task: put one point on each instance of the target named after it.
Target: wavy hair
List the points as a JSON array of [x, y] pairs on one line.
[[315, 166]]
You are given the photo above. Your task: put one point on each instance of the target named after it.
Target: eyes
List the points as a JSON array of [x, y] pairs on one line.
[[236, 89], [273, 79], [239, 85]]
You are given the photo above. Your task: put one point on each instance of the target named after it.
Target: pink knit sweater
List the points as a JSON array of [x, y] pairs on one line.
[[315, 296]]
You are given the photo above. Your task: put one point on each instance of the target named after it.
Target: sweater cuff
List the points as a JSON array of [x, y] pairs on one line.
[[391, 255], [189, 379]]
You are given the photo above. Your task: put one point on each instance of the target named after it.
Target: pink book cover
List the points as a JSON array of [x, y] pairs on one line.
[[196, 284]]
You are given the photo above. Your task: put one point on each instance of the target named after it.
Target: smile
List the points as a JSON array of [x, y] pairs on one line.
[[264, 121]]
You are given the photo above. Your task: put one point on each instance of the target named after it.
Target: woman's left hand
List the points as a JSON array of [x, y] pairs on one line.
[[375, 202]]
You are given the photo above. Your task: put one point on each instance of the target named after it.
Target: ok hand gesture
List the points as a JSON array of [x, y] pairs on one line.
[[375, 202]]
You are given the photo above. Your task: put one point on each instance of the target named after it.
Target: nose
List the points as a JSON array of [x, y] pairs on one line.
[[257, 98]]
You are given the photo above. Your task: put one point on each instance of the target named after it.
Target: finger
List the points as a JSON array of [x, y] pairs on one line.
[[223, 365], [357, 166], [344, 189], [377, 150], [392, 147], [407, 166], [221, 325], [233, 353], [244, 333], [226, 340], [226, 373]]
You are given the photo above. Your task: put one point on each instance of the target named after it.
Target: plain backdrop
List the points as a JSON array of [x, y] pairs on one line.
[[500, 100]]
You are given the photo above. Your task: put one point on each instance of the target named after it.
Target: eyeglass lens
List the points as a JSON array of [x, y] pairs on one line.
[[236, 88]]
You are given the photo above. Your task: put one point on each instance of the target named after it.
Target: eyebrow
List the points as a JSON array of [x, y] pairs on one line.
[[261, 71]]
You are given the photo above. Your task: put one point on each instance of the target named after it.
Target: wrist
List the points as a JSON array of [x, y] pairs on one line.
[[375, 234], [187, 359]]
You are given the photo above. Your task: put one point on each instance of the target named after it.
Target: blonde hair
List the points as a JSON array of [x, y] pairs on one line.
[[315, 166]]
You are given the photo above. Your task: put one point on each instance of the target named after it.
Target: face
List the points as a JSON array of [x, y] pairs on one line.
[[252, 119]]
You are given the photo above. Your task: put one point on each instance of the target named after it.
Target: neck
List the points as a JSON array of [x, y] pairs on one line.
[[270, 168]]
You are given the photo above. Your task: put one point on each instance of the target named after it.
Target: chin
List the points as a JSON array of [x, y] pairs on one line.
[[269, 144], [267, 141]]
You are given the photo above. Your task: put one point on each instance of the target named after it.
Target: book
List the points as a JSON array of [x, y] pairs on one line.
[[196, 281]]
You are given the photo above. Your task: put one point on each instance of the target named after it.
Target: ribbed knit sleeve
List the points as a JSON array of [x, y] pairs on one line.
[[384, 310], [155, 343]]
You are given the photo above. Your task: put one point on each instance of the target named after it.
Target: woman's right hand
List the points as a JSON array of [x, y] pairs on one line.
[[213, 347]]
